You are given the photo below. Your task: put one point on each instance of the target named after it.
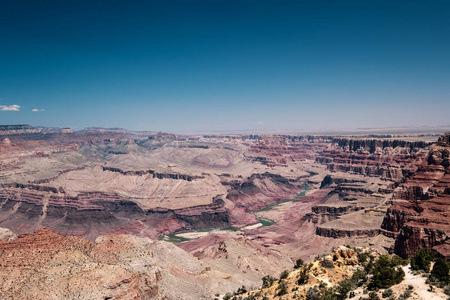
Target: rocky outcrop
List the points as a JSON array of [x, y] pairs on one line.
[[344, 256], [7, 235]]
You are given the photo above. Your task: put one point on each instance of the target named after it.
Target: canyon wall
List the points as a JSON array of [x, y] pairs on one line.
[[420, 216]]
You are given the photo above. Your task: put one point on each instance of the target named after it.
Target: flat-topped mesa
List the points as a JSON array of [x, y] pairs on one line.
[[387, 159], [155, 174], [18, 129], [376, 145], [420, 216], [325, 213]]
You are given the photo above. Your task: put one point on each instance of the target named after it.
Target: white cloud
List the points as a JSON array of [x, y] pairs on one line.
[[35, 109], [259, 123], [13, 107]]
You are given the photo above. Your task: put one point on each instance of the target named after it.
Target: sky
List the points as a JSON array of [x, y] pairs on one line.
[[207, 66]]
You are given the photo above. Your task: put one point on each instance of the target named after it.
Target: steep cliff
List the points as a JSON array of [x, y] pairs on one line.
[[388, 159], [420, 216]]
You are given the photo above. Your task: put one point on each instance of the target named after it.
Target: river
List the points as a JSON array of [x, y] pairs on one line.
[[179, 237]]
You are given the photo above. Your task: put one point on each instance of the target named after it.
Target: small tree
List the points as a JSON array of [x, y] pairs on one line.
[[241, 290], [397, 261], [268, 280], [326, 263], [299, 263], [384, 274], [313, 293], [387, 293], [422, 260], [284, 274], [303, 277], [441, 271], [282, 289], [227, 296]]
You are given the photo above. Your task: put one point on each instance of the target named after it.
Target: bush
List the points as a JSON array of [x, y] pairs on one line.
[[447, 290], [369, 266], [227, 296], [284, 274], [384, 274], [441, 271], [362, 257], [373, 296], [326, 263], [282, 287], [422, 260], [268, 280], [303, 277], [398, 261], [241, 290], [299, 263], [407, 294], [313, 294], [387, 293]]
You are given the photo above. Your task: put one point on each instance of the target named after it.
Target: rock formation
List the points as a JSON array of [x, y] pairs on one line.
[[420, 215]]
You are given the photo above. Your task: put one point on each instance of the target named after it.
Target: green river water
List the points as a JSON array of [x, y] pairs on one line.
[[175, 238]]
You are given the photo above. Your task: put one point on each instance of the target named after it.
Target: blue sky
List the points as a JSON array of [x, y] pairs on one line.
[[201, 66]]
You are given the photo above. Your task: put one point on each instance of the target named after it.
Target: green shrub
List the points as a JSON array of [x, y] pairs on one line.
[[299, 263], [313, 293], [387, 293], [362, 257], [422, 260], [241, 290], [441, 271], [369, 266], [303, 276], [227, 296], [284, 274], [268, 280], [282, 287], [447, 290], [406, 294], [373, 296], [385, 274], [326, 263], [398, 261]]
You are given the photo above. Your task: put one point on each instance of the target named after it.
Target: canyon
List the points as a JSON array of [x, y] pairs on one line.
[[236, 207]]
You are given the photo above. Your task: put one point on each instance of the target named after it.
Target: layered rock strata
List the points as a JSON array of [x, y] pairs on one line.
[[420, 215]]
